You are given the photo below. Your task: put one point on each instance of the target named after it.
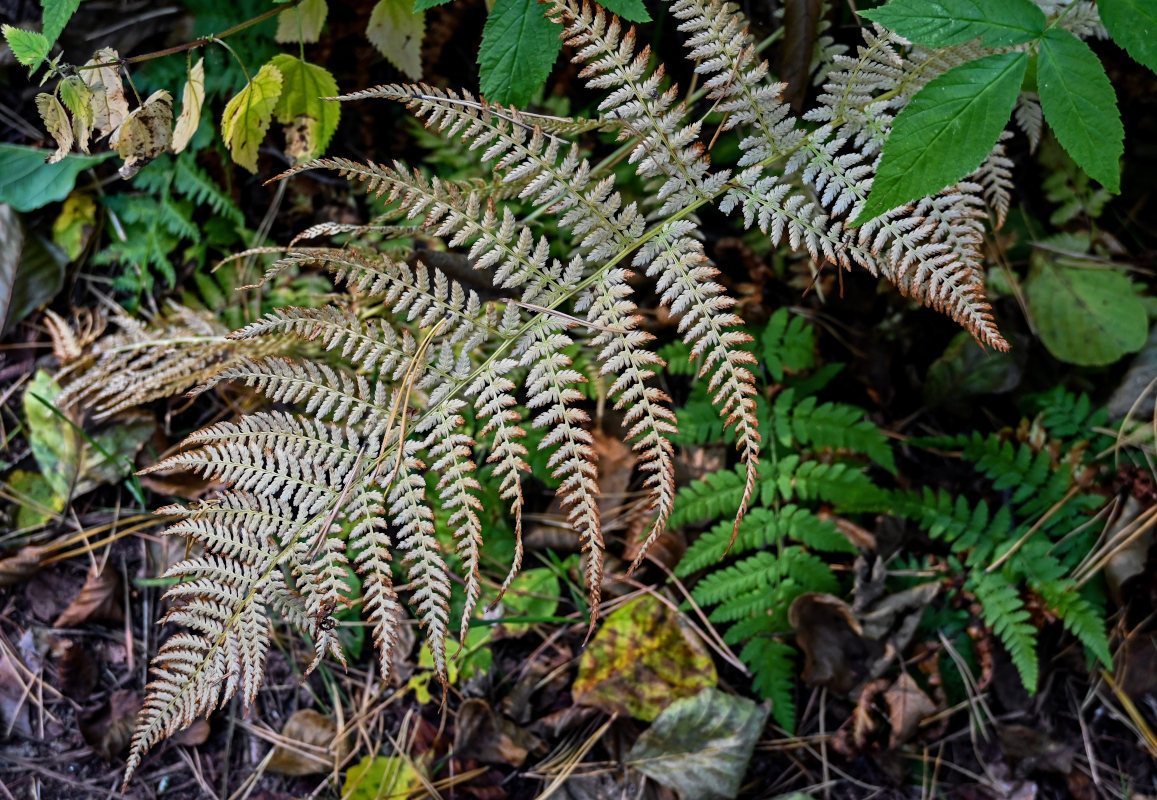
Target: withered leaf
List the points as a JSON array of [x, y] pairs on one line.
[[192, 97], [315, 746], [99, 598], [109, 106], [145, 133], [907, 706], [23, 564], [77, 97], [58, 125], [110, 730]]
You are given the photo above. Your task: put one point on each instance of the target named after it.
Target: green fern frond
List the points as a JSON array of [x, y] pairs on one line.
[[1004, 612]]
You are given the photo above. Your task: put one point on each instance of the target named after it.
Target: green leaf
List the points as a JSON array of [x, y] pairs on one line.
[[422, 5], [28, 47], [938, 24], [519, 47], [945, 131], [396, 29], [380, 777], [247, 116], [1086, 316], [632, 10], [1133, 25], [302, 23], [57, 13], [1081, 107], [31, 270], [311, 120], [28, 183], [700, 746], [533, 594]]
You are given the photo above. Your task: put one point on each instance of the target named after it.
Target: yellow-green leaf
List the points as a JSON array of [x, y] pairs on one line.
[[379, 778], [247, 116], [75, 224], [29, 47], [310, 120], [397, 31], [192, 97], [57, 123], [145, 133], [77, 98], [109, 106], [642, 659], [302, 23]]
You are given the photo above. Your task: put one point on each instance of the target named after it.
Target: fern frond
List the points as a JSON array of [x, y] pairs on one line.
[[1004, 612], [995, 175]]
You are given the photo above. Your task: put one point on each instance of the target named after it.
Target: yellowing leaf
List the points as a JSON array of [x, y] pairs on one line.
[[192, 97], [109, 106], [56, 121], [247, 116], [310, 121], [145, 133], [397, 33], [301, 23], [641, 660], [380, 777], [77, 98], [75, 224]]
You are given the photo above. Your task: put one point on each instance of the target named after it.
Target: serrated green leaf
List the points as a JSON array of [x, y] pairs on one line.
[[57, 13], [248, 114], [29, 48], [1081, 107], [302, 23], [422, 5], [310, 120], [77, 98], [945, 131], [946, 22], [1133, 25], [28, 183], [632, 10], [1085, 316], [397, 31], [519, 47]]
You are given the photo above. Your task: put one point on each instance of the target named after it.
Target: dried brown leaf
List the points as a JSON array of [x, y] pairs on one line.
[[23, 564], [319, 746], [57, 123], [908, 705], [192, 97], [109, 731], [109, 106], [99, 598], [145, 133]]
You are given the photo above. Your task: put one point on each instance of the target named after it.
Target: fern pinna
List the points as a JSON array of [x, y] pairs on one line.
[[340, 479]]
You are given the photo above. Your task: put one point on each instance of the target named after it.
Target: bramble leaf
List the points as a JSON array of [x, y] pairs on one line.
[[519, 47], [192, 97], [422, 5], [57, 13], [247, 116], [632, 10], [302, 23], [77, 98], [1133, 25], [29, 47], [145, 133], [995, 22], [310, 120], [58, 125], [28, 183], [109, 106], [1081, 107], [397, 32], [945, 131]]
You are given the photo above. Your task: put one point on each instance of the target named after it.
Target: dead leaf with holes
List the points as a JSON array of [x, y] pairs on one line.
[[99, 598], [109, 106], [57, 123], [145, 133]]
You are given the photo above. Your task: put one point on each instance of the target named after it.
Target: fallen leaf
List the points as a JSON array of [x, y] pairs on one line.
[[192, 97], [58, 125], [109, 731], [13, 694], [79, 670], [22, 565], [380, 777], [700, 746], [109, 106], [36, 501], [483, 735], [192, 736], [641, 660], [145, 134], [99, 598], [834, 648], [319, 748], [1032, 750], [908, 705], [72, 229]]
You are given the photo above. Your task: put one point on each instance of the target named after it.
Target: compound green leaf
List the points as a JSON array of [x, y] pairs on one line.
[[57, 13], [1133, 25], [397, 30], [310, 119], [632, 10], [945, 131], [946, 22], [1087, 316], [28, 183], [247, 116], [29, 48], [1080, 105], [700, 746], [519, 47], [302, 23]]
